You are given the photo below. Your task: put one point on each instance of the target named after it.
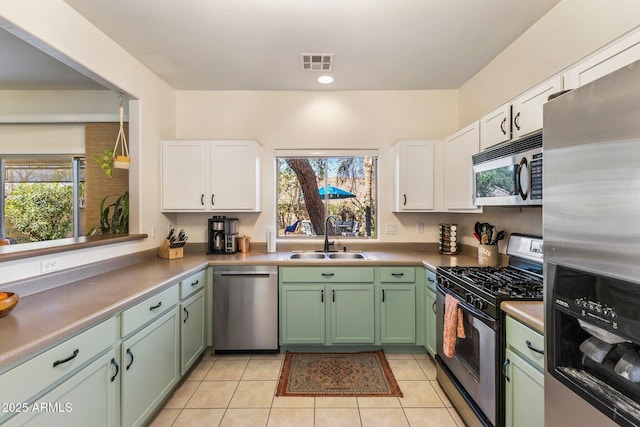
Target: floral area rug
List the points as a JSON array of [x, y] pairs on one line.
[[365, 373]]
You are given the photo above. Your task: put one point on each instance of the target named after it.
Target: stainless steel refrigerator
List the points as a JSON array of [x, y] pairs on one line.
[[591, 222]]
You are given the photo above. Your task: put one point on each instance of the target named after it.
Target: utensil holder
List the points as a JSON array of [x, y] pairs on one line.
[[488, 255], [169, 253], [448, 244]]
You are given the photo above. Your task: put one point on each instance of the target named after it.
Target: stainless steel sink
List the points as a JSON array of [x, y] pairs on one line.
[[324, 255], [305, 255], [347, 255]]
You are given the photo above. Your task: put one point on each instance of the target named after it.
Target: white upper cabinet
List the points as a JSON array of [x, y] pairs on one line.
[[495, 127], [622, 53], [458, 168], [526, 110], [414, 176], [210, 176]]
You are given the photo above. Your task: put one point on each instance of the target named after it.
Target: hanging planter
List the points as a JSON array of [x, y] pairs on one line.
[[122, 160]]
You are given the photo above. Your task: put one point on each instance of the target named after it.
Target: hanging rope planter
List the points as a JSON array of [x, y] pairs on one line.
[[122, 160]]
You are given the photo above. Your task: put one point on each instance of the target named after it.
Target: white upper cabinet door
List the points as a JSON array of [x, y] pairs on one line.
[[414, 176], [458, 168], [495, 127], [622, 53], [183, 175], [235, 174], [527, 109]]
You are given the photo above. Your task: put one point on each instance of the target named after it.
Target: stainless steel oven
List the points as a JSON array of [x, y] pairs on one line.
[[509, 174], [473, 365]]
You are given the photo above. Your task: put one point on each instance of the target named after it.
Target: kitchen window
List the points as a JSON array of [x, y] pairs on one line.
[[41, 198], [314, 185]]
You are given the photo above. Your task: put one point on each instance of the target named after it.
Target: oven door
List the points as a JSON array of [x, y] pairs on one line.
[[474, 362]]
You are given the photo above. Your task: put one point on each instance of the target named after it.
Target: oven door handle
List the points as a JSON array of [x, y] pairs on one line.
[[485, 318]]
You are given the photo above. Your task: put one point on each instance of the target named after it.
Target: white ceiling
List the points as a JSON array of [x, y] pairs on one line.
[[256, 44]]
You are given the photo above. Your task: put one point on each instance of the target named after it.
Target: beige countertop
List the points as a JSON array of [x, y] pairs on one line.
[[42, 319], [531, 313]]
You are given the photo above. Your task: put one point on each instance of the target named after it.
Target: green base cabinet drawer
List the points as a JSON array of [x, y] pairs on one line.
[[193, 284], [397, 274], [525, 341], [144, 312]]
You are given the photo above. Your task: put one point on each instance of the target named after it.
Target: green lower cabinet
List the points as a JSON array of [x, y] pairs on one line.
[[192, 330], [150, 368], [88, 398], [302, 314], [352, 314], [398, 314], [430, 317], [524, 397]]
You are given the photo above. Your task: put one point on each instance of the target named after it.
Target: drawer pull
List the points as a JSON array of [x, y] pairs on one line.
[[504, 369], [430, 279], [115, 365], [73, 356], [397, 274], [195, 283], [131, 356], [327, 274], [530, 347], [155, 306], [186, 315]]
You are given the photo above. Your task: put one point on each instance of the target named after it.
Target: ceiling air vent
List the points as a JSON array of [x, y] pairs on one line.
[[316, 61]]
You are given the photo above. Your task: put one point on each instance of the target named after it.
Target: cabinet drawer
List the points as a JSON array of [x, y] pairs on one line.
[[149, 309], [524, 341], [397, 274], [193, 283], [328, 274], [37, 374]]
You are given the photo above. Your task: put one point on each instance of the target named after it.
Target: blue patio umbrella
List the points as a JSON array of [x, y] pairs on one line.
[[335, 193]]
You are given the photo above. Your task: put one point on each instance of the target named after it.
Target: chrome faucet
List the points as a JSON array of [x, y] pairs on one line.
[[328, 243]]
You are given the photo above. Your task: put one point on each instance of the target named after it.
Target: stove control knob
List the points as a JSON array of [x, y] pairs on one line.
[[468, 297], [478, 303]]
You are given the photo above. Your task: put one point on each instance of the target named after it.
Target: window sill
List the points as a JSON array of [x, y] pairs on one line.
[[28, 250]]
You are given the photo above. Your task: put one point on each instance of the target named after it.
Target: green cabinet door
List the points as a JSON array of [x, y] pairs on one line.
[[150, 368], [398, 314], [302, 314], [192, 330], [88, 398], [352, 313], [524, 397]]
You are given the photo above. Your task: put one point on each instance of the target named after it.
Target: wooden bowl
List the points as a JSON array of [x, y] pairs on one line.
[[7, 303]]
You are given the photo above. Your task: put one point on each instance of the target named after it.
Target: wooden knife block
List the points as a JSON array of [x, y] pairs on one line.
[[169, 253]]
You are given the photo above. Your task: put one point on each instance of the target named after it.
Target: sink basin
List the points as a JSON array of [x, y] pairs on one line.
[[347, 255], [306, 255], [327, 256]]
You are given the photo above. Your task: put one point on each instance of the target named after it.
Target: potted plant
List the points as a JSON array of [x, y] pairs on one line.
[[114, 217]]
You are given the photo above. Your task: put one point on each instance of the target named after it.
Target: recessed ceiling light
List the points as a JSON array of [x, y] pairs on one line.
[[325, 80]]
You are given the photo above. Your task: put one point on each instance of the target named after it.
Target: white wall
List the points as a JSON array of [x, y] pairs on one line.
[[321, 119], [61, 32], [570, 31]]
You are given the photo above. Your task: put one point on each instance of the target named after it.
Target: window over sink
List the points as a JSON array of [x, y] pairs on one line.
[[311, 185]]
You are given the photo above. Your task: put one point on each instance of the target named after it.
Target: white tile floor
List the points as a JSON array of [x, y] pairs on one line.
[[240, 391]]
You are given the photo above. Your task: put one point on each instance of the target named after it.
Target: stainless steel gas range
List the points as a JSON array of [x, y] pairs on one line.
[[472, 376]]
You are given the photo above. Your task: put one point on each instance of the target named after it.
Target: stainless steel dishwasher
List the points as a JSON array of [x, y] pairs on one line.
[[245, 309]]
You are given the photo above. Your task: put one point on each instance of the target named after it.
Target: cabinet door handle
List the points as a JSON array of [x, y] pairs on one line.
[[405, 200], [131, 356], [333, 295], [115, 365], [383, 295], [195, 283], [516, 121], [504, 370], [155, 306], [530, 347], [186, 315], [327, 274], [433, 307], [504, 122], [397, 274], [321, 295], [73, 356], [202, 199]]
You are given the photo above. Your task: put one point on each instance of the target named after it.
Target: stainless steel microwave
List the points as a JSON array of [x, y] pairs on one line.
[[509, 174]]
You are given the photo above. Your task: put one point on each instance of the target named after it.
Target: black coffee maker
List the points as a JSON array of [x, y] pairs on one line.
[[216, 235]]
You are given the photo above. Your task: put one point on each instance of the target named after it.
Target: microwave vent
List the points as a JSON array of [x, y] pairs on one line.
[[526, 143]]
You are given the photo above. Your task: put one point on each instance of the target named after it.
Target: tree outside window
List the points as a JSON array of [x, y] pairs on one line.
[[311, 188]]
